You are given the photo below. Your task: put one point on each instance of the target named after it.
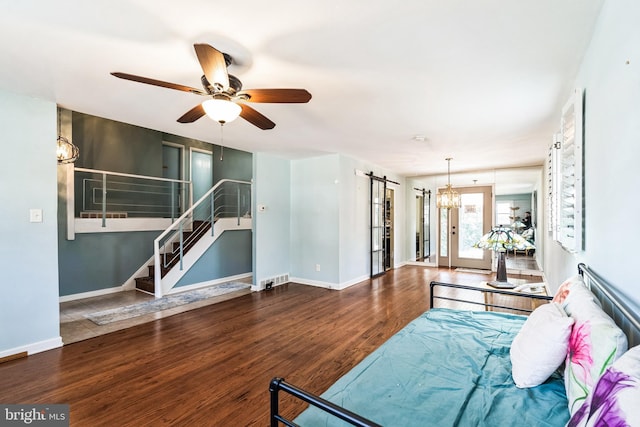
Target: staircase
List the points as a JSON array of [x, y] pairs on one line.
[[226, 206], [171, 259]]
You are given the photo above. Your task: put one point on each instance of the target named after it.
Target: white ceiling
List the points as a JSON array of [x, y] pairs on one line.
[[483, 81]]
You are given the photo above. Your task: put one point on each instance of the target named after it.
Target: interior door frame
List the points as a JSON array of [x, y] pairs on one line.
[[183, 193], [192, 150], [376, 224], [453, 226], [423, 225]]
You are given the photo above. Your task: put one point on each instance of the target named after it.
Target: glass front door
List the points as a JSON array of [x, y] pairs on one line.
[[461, 228]]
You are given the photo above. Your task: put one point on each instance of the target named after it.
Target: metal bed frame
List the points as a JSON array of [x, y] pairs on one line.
[[610, 298]]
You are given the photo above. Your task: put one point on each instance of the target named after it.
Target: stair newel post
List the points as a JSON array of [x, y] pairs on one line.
[[104, 199], [157, 279], [181, 243]]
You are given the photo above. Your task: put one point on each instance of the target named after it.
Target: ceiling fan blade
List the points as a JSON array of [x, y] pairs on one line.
[[160, 83], [255, 118], [192, 115], [277, 95], [213, 64]]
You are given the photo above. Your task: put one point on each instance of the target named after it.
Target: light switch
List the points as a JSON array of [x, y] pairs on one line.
[[35, 215]]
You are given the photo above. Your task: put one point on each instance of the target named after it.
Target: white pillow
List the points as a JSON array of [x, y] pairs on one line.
[[540, 346]]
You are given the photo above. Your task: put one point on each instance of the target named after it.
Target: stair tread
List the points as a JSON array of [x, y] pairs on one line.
[[200, 228]]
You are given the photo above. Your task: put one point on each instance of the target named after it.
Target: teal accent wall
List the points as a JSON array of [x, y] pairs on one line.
[[116, 147], [230, 255], [29, 311], [95, 261], [234, 164]]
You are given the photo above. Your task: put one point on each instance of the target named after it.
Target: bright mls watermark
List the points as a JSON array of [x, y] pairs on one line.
[[34, 415]]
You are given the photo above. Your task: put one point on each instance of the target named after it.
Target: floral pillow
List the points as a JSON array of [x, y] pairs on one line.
[[594, 344], [575, 284], [615, 400]]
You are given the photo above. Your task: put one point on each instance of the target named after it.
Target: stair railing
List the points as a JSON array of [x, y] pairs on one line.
[[130, 195], [229, 198]]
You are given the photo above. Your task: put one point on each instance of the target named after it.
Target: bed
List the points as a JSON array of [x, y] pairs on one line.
[[460, 367]]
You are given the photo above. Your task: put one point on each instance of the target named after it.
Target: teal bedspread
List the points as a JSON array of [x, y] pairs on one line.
[[446, 368]]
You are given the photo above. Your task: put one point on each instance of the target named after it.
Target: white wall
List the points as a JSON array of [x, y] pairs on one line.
[[271, 228], [315, 218], [29, 311], [325, 221], [612, 152], [355, 217]]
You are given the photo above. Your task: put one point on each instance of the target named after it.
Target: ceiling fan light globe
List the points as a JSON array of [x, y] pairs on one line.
[[221, 110]]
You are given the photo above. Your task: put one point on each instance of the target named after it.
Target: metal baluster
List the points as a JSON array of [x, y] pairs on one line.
[[238, 201], [104, 200], [181, 244]]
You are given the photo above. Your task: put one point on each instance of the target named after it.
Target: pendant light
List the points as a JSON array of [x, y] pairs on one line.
[[449, 198], [66, 151]]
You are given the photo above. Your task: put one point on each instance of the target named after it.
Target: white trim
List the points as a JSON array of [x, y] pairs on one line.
[[199, 248], [114, 225], [328, 285], [183, 160], [34, 348], [421, 263], [143, 271], [71, 200], [91, 294], [237, 277], [183, 170]]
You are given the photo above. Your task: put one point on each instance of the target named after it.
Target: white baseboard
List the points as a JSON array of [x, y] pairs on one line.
[[328, 285], [91, 294], [34, 348], [317, 283], [237, 277]]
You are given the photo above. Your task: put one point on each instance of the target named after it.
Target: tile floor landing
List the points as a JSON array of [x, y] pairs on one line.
[[75, 327]]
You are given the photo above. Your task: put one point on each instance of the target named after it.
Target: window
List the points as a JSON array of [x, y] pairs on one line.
[[503, 212], [566, 176]]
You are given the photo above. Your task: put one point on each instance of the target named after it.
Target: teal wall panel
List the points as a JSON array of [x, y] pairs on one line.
[[230, 255], [95, 261]]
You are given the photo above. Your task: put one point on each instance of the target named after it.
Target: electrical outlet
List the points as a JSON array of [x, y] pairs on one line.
[[317, 267]]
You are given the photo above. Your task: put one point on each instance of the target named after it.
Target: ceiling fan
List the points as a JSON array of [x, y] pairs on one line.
[[227, 99]]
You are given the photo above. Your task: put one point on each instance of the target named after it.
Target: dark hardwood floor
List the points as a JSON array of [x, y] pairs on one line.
[[212, 366]]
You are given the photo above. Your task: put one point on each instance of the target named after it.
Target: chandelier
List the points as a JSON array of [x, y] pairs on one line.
[[66, 151], [449, 198]]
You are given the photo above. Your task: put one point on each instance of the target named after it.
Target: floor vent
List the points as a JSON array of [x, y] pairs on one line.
[[274, 281]]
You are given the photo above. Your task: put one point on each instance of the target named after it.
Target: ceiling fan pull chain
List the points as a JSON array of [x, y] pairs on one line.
[[221, 141]]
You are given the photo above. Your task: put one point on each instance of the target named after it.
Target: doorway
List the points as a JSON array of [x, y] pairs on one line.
[[173, 168], [461, 228], [382, 233], [201, 179], [388, 229], [423, 233]]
